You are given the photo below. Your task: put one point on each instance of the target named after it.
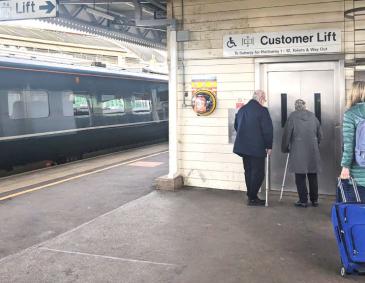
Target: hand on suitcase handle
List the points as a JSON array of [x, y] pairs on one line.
[[345, 173], [354, 186]]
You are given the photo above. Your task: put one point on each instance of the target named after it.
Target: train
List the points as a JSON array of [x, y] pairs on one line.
[[60, 112]]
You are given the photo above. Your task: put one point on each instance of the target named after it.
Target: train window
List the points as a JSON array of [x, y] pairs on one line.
[[162, 105], [37, 105], [113, 106], [164, 110], [16, 105], [81, 105], [141, 104], [67, 104], [28, 104]]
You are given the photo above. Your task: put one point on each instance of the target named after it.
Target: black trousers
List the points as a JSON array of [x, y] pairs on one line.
[[254, 174], [300, 181]]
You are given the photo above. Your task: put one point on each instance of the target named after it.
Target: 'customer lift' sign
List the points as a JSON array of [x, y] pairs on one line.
[[33, 9], [282, 43]]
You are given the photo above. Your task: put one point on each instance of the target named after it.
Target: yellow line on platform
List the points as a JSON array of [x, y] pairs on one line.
[[79, 176]]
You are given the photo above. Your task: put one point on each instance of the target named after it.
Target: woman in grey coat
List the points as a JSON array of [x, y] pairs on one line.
[[301, 138]]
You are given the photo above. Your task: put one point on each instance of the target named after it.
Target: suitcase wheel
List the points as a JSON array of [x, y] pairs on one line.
[[343, 271]]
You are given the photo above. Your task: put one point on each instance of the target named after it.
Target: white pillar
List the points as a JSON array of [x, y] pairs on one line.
[[173, 134]]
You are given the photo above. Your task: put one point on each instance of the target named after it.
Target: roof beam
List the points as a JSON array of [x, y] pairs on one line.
[[119, 21], [99, 14], [105, 31]]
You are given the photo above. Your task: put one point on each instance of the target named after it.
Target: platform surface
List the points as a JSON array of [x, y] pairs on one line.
[[193, 235], [51, 174], [79, 193]]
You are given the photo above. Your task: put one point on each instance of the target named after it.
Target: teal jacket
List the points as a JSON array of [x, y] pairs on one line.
[[351, 119]]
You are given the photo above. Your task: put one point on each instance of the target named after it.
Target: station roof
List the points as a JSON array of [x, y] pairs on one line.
[[20, 33], [58, 45], [142, 22], [134, 30]]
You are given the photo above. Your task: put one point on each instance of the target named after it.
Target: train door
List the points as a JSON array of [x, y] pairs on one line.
[[316, 84]]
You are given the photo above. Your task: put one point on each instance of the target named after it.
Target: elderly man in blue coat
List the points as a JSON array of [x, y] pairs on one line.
[[253, 142]]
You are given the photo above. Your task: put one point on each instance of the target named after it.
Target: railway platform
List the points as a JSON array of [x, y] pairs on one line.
[[107, 224]]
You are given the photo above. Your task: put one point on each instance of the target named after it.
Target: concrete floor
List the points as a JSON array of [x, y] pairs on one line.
[[36, 178], [193, 235], [37, 216]]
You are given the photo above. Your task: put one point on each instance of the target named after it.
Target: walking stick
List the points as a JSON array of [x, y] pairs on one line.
[[267, 181], [283, 184]]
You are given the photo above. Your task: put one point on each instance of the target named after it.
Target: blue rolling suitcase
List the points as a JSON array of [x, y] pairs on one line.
[[348, 219]]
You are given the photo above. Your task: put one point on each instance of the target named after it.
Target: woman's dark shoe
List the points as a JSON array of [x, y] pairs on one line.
[[315, 203], [300, 204]]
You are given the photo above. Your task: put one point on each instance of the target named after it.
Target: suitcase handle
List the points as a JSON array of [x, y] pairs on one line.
[[354, 186]]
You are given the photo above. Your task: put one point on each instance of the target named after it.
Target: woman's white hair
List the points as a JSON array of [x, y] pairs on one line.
[[299, 105]]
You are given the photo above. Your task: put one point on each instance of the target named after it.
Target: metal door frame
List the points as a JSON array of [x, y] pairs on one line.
[[339, 71], [338, 68]]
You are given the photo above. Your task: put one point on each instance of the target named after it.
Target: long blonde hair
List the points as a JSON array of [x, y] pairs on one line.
[[357, 93]]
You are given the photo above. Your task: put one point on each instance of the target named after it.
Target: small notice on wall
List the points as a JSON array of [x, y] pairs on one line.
[[204, 82], [231, 117], [282, 43], [231, 131]]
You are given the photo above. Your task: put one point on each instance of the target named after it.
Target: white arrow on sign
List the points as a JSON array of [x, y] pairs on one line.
[[31, 9]]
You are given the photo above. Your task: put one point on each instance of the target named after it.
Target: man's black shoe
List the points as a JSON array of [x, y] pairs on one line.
[[256, 202], [300, 204], [315, 203]]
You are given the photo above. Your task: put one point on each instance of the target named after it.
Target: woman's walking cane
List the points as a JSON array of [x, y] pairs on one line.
[[283, 184], [267, 181]]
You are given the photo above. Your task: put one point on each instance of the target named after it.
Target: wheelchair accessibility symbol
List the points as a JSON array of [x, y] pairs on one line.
[[231, 43]]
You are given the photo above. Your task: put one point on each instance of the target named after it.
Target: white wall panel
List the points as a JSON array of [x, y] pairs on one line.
[[204, 139], [211, 166], [205, 175], [219, 5], [220, 69], [219, 131], [228, 25], [206, 158], [228, 12], [212, 157], [207, 148]]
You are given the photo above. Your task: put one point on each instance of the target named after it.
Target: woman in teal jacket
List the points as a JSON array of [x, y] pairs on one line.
[[352, 117]]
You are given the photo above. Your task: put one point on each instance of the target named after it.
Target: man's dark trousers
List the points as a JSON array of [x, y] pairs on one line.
[[300, 181], [254, 174]]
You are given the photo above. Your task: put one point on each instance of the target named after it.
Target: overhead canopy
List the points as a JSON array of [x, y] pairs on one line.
[[73, 47], [132, 33], [50, 36], [141, 22]]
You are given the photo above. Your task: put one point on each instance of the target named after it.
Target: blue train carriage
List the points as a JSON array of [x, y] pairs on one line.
[[58, 112]]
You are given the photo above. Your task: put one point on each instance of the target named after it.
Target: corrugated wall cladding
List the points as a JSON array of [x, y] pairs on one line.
[[205, 155]]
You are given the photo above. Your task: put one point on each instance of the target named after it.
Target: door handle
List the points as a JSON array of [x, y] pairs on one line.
[[284, 109], [317, 106]]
